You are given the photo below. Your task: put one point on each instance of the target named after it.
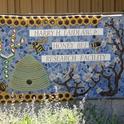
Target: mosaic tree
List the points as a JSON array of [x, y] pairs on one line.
[[117, 42], [109, 73]]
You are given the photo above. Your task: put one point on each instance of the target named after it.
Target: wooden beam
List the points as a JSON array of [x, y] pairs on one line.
[[85, 5], [49, 6], [11, 6], [108, 5], [73, 6], [3, 7], [97, 6], [119, 6], [25, 6], [61, 6], [37, 6]]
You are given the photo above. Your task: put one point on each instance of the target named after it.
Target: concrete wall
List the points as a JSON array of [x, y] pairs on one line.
[[112, 106]]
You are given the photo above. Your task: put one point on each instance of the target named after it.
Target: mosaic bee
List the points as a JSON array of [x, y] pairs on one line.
[[3, 86], [38, 45], [96, 44]]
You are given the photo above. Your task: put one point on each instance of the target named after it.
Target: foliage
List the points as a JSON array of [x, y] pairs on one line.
[[26, 120], [55, 113]]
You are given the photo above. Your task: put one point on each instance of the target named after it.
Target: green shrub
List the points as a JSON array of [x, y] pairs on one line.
[[55, 113]]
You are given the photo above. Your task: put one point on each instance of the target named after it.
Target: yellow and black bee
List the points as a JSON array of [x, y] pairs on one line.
[[38, 45], [96, 44], [3, 86]]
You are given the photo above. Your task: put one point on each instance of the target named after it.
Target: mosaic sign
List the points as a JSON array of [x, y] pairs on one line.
[[61, 56]]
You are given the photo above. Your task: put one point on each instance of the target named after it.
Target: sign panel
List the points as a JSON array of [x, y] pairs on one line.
[[74, 55]]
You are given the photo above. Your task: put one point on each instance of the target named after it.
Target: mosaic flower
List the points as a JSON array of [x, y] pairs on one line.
[[117, 41], [90, 69], [117, 60], [100, 64], [114, 49], [96, 76], [59, 75], [76, 76], [87, 76], [66, 77], [109, 40], [103, 43], [52, 77], [106, 64], [82, 85], [98, 90]]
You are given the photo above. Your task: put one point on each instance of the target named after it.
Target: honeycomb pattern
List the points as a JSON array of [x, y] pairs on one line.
[[16, 98], [49, 20]]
